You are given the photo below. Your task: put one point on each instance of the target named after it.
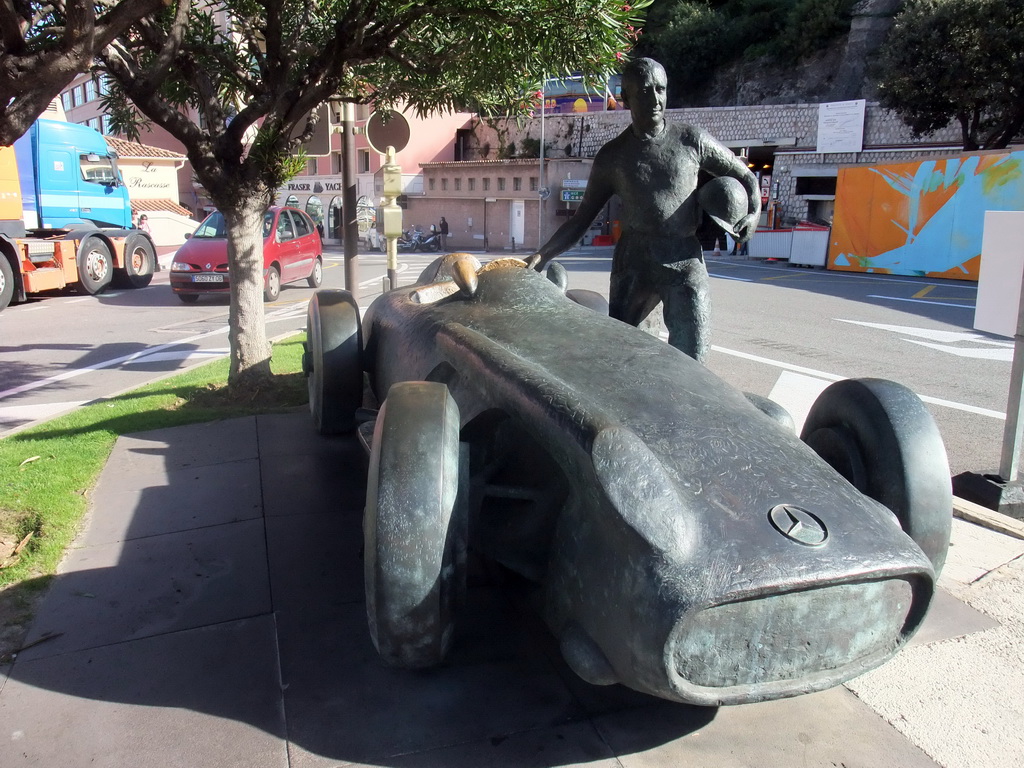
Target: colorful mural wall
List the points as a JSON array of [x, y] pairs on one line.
[[922, 218]]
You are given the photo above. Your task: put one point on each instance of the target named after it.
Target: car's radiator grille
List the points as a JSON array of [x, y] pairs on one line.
[[793, 634]]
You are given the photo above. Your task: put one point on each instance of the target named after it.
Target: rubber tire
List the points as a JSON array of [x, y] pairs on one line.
[[139, 264], [590, 299], [880, 437], [188, 298], [316, 277], [333, 361], [6, 282], [414, 537], [272, 288], [95, 265]]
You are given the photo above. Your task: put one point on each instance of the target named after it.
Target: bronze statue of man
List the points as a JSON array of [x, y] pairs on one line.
[[653, 167]]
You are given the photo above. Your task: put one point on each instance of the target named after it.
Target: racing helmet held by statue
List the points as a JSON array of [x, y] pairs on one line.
[[725, 200]]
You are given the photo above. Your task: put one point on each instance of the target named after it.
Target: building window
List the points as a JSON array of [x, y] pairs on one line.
[[533, 183], [311, 166], [444, 185], [501, 184], [432, 183], [337, 164], [487, 184], [79, 95], [458, 185], [90, 90], [363, 161], [472, 184], [517, 184], [65, 99], [104, 84]]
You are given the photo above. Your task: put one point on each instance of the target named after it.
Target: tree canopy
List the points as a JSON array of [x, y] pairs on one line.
[[235, 80], [44, 45], [693, 39], [961, 60]]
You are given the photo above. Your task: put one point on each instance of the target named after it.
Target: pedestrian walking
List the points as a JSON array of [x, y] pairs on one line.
[[444, 234]]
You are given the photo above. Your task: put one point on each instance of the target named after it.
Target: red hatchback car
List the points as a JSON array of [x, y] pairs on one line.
[[292, 250]]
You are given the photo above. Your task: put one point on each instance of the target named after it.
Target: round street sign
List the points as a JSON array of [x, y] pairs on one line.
[[387, 129]]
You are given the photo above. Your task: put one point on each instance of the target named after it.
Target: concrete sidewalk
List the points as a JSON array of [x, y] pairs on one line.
[[211, 614]]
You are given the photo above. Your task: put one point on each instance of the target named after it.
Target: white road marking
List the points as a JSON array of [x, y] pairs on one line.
[[1002, 353], [186, 355], [796, 393], [38, 411], [948, 337], [921, 301], [833, 377]]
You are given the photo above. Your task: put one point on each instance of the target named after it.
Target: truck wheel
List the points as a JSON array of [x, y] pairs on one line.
[[139, 264], [273, 287], [880, 437], [333, 361], [95, 265], [414, 537], [6, 282], [317, 275]]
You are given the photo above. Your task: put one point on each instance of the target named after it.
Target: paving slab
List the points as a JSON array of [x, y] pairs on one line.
[[117, 592], [133, 506], [165, 450], [832, 728], [203, 697]]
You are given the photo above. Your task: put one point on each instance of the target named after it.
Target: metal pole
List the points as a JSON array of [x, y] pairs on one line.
[[350, 225], [540, 195], [1013, 429]]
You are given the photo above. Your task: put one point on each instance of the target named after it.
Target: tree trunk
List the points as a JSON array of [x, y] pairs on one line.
[[250, 349]]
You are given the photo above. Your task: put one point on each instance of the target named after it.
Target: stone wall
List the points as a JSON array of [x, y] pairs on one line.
[[787, 132]]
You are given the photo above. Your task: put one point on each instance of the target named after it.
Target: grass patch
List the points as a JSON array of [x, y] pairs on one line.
[[49, 470]]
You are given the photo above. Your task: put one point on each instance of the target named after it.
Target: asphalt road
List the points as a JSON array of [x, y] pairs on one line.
[[780, 331]]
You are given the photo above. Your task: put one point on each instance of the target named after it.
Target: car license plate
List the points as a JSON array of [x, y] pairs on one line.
[[207, 278]]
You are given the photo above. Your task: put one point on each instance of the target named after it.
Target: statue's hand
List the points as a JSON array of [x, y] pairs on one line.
[[535, 261], [747, 226]]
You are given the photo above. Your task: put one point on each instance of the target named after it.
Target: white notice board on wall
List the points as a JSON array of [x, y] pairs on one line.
[[841, 126], [1002, 269]]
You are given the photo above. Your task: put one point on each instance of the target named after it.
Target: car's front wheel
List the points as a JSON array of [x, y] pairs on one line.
[[332, 361], [414, 527], [272, 289], [880, 437], [188, 298]]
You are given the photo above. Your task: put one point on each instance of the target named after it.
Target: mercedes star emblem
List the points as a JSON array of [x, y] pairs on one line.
[[798, 524]]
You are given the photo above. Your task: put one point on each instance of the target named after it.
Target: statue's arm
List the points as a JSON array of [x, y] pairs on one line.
[[599, 191]]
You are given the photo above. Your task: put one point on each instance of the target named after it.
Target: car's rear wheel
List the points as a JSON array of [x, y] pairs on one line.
[[414, 529], [880, 437], [188, 298], [95, 265], [272, 289], [139, 263], [317, 275], [332, 361]]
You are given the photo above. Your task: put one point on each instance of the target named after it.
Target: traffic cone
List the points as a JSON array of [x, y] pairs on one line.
[[718, 250]]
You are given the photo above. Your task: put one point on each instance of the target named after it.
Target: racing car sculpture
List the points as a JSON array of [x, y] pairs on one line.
[[686, 542]]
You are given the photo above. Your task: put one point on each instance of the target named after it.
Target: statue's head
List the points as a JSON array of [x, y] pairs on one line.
[[644, 90]]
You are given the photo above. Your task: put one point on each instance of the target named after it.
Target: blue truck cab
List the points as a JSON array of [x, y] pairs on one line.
[[69, 178]]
